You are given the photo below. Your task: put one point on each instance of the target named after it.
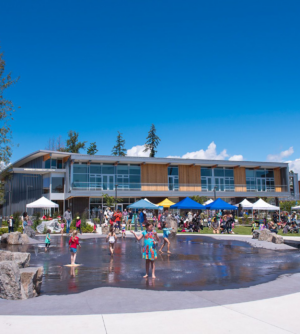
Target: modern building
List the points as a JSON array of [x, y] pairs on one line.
[[79, 181]]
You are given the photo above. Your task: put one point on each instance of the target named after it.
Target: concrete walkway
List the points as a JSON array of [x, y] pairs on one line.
[[269, 316]]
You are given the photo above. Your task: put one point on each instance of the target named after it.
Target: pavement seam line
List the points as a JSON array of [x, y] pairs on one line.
[[104, 323]]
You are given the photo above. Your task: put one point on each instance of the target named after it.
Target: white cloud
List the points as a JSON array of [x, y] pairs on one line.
[[210, 154], [294, 165], [137, 151], [237, 157], [281, 155]]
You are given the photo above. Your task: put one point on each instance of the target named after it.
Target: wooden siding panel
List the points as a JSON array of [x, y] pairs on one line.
[[189, 178], [240, 179], [277, 180], [156, 175]]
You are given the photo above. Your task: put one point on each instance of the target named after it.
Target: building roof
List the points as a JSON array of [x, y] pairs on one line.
[[146, 160]]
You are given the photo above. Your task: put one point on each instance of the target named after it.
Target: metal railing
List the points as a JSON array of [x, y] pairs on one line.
[[101, 186]]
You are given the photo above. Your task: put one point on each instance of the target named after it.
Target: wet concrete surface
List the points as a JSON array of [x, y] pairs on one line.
[[196, 264]]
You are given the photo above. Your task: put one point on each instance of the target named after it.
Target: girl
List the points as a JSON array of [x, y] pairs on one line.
[[73, 243], [166, 232], [112, 239], [24, 220], [47, 240], [149, 249], [62, 225], [123, 229], [78, 224]]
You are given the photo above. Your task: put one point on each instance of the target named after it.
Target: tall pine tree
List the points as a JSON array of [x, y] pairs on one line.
[[119, 149], [92, 149], [73, 145], [152, 142]]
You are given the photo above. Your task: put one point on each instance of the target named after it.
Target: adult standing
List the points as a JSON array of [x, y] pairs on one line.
[[118, 219], [68, 219]]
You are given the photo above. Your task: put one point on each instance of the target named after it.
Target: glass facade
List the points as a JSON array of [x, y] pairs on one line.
[[106, 176], [222, 179], [58, 184], [173, 179], [260, 180], [54, 164]]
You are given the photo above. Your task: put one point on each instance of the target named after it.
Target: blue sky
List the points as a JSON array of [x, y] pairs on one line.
[[218, 74]]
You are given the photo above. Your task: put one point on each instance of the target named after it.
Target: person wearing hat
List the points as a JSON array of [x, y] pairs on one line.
[[78, 224], [11, 223]]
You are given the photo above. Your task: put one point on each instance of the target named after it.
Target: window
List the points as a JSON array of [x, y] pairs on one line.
[[260, 180], [59, 164], [53, 163], [122, 169], [95, 169], [173, 179], [173, 170], [222, 179], [46, 185], [47, 163], [58, 184], [108, 169], [80, 168]]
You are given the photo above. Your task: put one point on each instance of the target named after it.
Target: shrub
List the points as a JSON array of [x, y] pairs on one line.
[[87, 229], [3, 230], [17, 219], [45, 230], [20, 229], [36, 220], [4, 223]]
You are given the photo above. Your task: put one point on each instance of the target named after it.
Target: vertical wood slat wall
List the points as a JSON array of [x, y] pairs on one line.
[[189, 178], [277, 180], [240, 179], [156, 174]]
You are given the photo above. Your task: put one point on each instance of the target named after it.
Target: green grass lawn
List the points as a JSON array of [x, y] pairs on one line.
[[241, 230]]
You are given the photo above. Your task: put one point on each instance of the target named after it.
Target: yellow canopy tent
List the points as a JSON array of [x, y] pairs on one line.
[[166, 203]]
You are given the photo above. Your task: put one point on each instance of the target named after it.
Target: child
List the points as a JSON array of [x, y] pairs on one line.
[[95, 227], [73, 243], [78, 224], [62, 225], [47, 240], [123, 229], [112, 239], [166, 232], [149, 249]]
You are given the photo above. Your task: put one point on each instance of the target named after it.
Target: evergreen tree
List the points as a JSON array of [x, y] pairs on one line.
[[119, 149], [152, 141], [73, 145], [92, 150]]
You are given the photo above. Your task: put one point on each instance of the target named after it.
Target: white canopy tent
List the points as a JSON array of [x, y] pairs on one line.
[[245, 204], [262, 205], [42, 203], [296, 207]]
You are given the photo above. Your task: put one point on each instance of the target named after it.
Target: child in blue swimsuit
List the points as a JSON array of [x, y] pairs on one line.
[[166, 232], [149, 249]]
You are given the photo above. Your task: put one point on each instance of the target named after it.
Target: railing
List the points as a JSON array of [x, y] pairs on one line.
[[188, 187]]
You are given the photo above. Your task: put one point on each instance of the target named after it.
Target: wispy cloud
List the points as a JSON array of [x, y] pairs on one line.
[[281, 155], [209, 154]]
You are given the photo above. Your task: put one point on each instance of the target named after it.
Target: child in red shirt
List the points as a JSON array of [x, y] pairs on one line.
[[73, 243]]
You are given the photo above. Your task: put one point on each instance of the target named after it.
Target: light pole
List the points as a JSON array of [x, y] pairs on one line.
[[215, 194], [116, 195]]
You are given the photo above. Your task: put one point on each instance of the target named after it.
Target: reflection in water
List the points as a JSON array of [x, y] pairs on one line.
[[196, 263]]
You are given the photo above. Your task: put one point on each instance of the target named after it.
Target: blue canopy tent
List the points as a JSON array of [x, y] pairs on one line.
[[219, 204], [142, 204], [188, 203]]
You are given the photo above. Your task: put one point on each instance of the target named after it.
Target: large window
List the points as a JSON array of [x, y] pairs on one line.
[[221, 179], [54, 164], [106, 176], [46, 185], [260, 180], [58, 184], [173, 178]]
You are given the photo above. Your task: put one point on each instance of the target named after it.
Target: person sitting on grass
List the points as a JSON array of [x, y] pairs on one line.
[[273, 227]]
